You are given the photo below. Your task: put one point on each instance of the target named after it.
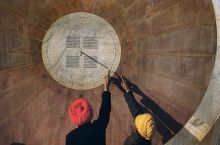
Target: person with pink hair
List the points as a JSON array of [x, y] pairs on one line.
[[81, 114]]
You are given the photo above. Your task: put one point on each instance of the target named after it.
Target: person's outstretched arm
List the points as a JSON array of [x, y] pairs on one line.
[[105, 109], [134, 107]]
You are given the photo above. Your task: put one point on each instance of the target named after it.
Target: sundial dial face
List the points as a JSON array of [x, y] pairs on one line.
[[73, 46]]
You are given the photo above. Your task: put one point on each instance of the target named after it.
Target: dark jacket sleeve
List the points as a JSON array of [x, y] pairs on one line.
[[68, 142], [105, 109], [134, 107]]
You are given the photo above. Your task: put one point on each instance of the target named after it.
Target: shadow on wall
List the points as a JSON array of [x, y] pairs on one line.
[[17, 144], [166, 125]]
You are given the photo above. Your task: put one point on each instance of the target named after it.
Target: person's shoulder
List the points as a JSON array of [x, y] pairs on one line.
[[135, 139], [130, 140], [97, 125], [72, 133]]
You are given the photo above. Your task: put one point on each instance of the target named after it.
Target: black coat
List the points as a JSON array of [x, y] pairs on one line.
[[93, 133], [136, 109]]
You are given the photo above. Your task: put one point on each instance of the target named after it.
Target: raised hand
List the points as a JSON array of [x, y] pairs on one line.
[[107, 82], [124, 84]]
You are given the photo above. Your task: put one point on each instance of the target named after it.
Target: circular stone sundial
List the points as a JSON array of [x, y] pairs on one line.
[[79, 48]]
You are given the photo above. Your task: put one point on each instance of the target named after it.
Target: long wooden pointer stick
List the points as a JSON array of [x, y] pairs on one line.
[[99, 63]]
